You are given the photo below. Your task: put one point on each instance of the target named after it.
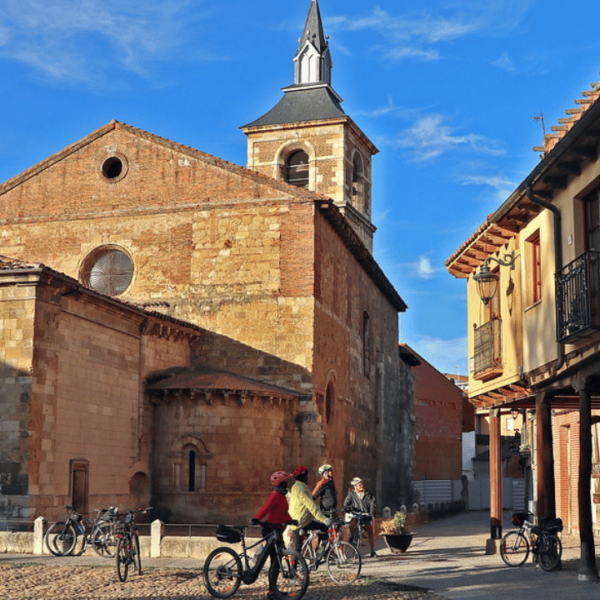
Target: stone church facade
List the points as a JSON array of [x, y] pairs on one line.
[[244, 308]]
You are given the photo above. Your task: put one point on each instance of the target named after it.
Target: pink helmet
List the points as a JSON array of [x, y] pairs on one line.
[[279, 477]]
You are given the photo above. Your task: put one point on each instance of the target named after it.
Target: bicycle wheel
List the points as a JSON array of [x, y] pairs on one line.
[[123, 559], [136, 557], [550, 552], [61, 538], [103, 539], [514, 549], [288, 575], [343, 563], [222, 573]]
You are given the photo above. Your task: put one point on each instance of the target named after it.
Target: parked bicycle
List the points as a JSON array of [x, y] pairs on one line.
[[542, 540], [225, 569], [128, 544], [64, 538], [342, 559], [363, 520]]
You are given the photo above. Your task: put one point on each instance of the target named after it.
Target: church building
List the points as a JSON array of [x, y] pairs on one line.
[[174, 327]]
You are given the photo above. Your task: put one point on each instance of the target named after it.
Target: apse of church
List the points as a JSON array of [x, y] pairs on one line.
[[294, 355]]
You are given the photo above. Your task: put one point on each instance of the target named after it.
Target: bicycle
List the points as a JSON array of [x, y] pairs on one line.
[[363, 520], [128, 545], [543, 541], [225, 570], [343, 559], [62, 537]]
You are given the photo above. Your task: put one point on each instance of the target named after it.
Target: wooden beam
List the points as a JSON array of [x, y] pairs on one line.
[[570, 167], [558, 181]]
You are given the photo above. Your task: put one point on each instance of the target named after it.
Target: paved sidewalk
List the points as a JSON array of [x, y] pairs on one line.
[[448, 557]]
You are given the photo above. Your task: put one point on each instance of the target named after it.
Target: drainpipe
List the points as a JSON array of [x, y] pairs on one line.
[[557, 254]]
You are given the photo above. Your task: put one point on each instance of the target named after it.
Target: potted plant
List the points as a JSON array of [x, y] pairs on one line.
[[394, 532]]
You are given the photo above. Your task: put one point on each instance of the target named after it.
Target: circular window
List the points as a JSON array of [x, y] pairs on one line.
[[114, 168], [108, 271]]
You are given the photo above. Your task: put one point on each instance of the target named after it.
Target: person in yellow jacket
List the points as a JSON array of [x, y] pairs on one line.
[[304, 509]]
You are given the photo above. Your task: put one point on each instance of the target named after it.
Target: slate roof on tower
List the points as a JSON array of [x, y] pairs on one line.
[[311, 97]]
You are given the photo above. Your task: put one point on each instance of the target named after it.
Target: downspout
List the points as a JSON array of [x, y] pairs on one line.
[[557, 254]]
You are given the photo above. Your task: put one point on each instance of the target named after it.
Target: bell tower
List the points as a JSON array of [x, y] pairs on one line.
[[309, 141]]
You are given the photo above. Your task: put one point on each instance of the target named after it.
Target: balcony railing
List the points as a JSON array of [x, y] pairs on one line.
[[577, 296], [488, 350]]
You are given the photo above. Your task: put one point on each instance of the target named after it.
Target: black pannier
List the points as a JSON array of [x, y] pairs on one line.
[[519, 518], [552, 525], [229, 535]]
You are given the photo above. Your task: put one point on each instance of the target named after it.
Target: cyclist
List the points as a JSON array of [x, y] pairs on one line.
[[275, 511], [304, 509], [359, 500], [325, 491]]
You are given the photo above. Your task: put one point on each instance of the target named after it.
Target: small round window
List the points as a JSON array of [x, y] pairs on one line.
[[108, 271], [114, 168]]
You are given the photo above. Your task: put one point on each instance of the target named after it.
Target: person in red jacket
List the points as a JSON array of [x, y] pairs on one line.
[[275, 510]]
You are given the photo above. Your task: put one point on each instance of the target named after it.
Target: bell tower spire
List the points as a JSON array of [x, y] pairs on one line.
[[313, 61], [308, 140]]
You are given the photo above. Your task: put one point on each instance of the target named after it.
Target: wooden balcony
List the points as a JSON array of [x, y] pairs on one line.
[[577, 298], [488, 350]]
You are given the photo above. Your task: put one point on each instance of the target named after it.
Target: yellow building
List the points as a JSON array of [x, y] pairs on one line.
[[533, 285]]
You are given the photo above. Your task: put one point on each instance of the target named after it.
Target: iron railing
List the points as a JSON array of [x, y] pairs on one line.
[[488, 346], [577, 295]]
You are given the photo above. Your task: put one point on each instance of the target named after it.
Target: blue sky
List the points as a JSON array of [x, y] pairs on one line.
[[448, 92]]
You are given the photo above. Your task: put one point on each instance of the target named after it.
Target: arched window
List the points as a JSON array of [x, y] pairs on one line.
[[329, 400], [296, 169], [358, 184], [192, 471], [193, 476]]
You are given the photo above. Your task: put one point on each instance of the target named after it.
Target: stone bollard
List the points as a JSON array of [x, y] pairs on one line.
[[156, 534], [38, 535], [386, 513]]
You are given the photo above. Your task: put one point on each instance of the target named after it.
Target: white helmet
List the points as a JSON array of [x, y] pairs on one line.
[[324, 468], [355, 481]]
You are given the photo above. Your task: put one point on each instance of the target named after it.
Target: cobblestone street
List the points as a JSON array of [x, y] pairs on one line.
[[29, 581]]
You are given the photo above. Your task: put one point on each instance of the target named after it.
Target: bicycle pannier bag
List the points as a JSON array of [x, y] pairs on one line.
[[227, 534], [518, 519]]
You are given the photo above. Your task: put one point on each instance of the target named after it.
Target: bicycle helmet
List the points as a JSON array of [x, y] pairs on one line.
[[279, 477], [298, 471], [355, 481], [325, 468]]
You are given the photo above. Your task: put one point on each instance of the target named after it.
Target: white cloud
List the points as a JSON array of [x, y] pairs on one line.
[[414, 34], [447, 356], [425, 270], [504, 62], [69, 39], [429, 137]]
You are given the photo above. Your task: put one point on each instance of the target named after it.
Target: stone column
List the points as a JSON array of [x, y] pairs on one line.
[[38, 535], [156, 534]]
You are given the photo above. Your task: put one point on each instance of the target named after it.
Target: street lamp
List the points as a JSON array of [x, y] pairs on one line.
[[487, 282]]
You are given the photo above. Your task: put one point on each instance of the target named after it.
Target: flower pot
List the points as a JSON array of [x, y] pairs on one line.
[[398, 542]]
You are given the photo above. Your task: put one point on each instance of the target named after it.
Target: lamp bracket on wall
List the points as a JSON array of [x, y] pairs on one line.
[[487, 282]]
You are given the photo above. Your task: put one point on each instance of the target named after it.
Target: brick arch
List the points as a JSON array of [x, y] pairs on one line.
[[179, 444], [289, 147], [330, 397]]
